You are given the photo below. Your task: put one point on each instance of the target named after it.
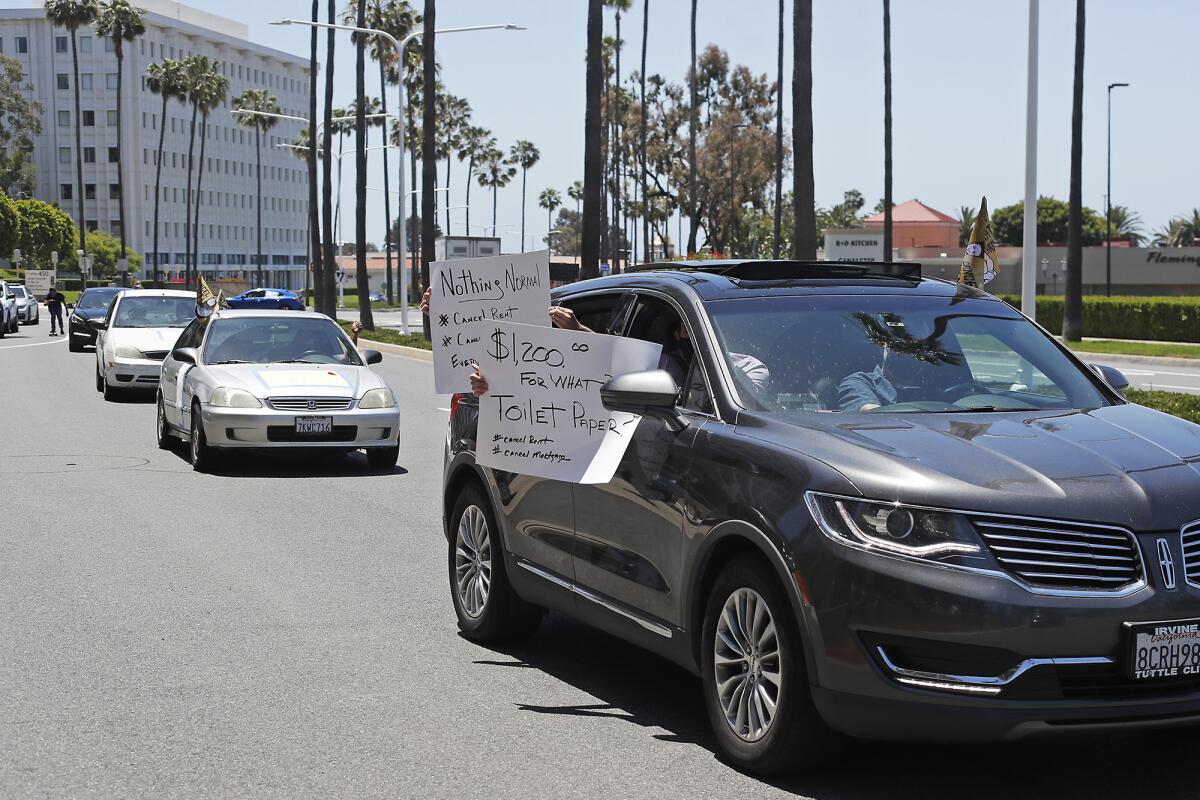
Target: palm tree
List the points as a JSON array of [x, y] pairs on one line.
[[495, 172], [642, 134], [887, 130], [966, 223], [475, 142], [328, 289], [1179, 232], [318, 267], [72, 15], [454, 118], [262, 102], [194, 69], [122, 23], [575, 192], [1127, 224], [165, 79], [209, 93], [804, 237], [593, 171], [343, 124], [428, 148], [618, 180], [549, 199], [362, 278], [1072, 327], [775, 241], [524, 154], [694, 101]]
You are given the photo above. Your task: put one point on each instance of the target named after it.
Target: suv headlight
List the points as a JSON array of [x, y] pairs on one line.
[[377, 398], [923, 533], [125, 351], [224, 397]]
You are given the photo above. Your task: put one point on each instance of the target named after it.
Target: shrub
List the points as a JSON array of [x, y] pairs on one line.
[[1162, 319], [1184, 406]]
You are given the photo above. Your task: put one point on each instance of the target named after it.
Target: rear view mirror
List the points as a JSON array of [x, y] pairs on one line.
[[1113, 377], [372, 356], [185, 354], [649, 393]]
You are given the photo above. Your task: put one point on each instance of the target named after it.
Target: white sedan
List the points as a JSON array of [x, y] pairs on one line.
[[242, 379], [136, 334]]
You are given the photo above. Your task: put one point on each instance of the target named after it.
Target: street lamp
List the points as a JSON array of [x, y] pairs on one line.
[[1108, 200], [399, 45]]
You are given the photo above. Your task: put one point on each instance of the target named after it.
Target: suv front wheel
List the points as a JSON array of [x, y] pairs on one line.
[[488, 609], [754, 678]]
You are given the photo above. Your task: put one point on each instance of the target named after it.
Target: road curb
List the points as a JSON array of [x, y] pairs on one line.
[[411, 353], [1159, 361]]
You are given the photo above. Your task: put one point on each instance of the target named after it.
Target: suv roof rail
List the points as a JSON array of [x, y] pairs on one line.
[[786, 269]]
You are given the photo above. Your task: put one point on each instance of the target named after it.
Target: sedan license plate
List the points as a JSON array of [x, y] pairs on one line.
[[314, 425], [1163, 649]]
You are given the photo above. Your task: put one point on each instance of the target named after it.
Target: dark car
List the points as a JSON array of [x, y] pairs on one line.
[[92, 304], [268, 298], [376, 297], [880, 506]]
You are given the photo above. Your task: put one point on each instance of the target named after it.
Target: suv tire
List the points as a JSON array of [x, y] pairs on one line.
[[764, 665], [383, 457], [73, 343], [487, 608]]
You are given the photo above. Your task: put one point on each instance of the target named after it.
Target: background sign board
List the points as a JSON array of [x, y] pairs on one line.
[[542, 414], [39, 281], [469, 295], [854, 245]]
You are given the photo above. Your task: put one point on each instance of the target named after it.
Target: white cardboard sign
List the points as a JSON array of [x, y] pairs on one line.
[[542, 414], [469, 295], [39, 281]]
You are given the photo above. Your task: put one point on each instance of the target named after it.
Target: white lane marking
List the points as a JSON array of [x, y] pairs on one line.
[[35, 344], [1195, 374], [444, 409]]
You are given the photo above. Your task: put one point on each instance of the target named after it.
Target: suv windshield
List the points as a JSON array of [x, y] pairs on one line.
[[155, 312], [262, 340], [895, 354], [19, 291], [93, 299]]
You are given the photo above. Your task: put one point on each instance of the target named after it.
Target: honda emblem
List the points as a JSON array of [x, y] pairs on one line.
[[312, 404]]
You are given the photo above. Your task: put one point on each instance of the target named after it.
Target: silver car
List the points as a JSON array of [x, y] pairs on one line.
[[241, 379], [28, 312]]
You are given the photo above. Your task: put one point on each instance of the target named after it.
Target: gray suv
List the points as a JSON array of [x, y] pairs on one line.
[[859, 503]]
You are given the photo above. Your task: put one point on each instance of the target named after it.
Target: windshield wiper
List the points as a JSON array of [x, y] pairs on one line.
[[293, 361], [230, 361], [976, 408]]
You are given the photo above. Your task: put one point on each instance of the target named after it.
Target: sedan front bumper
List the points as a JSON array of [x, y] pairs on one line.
[[268, 428], [133, 373]]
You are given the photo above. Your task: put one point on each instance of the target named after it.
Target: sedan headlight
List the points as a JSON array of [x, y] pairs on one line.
[[224, 397], [377, 398], [923, 533], [125, 351]]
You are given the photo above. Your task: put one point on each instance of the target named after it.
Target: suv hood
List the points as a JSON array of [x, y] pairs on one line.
[[1126, 465]]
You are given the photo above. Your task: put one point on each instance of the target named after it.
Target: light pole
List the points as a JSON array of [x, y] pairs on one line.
[[1108, 200], [399, 45]]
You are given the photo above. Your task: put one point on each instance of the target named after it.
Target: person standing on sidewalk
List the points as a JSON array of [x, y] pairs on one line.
[[54, 304]]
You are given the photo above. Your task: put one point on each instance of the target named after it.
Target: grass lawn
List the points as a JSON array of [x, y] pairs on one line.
[[1171, 349], [389, 336]]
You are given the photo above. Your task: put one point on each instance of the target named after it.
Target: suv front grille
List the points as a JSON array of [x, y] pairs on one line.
[[310, 403], [1069, 556], [1189, 538]]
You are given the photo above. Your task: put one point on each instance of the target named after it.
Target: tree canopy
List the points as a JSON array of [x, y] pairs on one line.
[[42, 229], [20, 123], [1008, 223], [104, 249]]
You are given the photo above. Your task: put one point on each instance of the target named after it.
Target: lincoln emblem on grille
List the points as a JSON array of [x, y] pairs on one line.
[[1167, 563], [312, 404]]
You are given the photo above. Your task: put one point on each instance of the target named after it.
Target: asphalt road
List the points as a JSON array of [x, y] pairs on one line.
[[284, 630]]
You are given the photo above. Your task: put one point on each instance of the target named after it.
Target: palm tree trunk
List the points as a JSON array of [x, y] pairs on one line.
[[778, 230], [162, 132], [363, 280], [470, 175], [120, 53], [646, 255], [693, 205], [495, 191], [1072, 327], [187, 221], [522, 210], [387, 187], [314, 218], [258, 183], [618, 179], [887, 130], [804, 238], [428, 149], [199, 203], [78, 153], [593, 171], [337, 209], [549, 226], [327, 278], [414, 230]]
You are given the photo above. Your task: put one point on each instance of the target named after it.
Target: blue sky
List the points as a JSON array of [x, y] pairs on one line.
[[958, 78]]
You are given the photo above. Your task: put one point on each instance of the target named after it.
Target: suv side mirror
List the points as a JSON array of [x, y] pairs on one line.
[[1112, 376], [185, 354], [649, 393], [372, 356]]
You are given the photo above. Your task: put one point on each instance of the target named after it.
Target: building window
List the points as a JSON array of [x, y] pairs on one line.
[[89, 155], [1, 45], [85, 44], [91, 225], [112, 119], [110, 80], [89, 191], [64, 119], [114, 225], [114, 191], [64, 155], [85, 80], [66, 191], [109, 48], [22, 44], [60, 44], [89, 119], [64, 81], [114, 154]]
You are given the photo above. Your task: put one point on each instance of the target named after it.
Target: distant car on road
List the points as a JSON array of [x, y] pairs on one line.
[[376, 297], [28, 311], [241, 380], [92, 304], [260, 299], [8, 304], [136, 334]]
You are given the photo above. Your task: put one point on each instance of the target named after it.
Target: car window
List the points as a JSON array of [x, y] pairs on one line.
[[261, 340], [19, 291], [599, 312], [896, 354], [193, 334], [150, 311], [94, 299], [655, 320]]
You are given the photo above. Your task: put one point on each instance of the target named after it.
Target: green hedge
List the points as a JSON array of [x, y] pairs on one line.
[[1184, 406], [1161, 319]]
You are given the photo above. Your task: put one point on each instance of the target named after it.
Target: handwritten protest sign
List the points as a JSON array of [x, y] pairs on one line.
[[542, 414], [468, 295]]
